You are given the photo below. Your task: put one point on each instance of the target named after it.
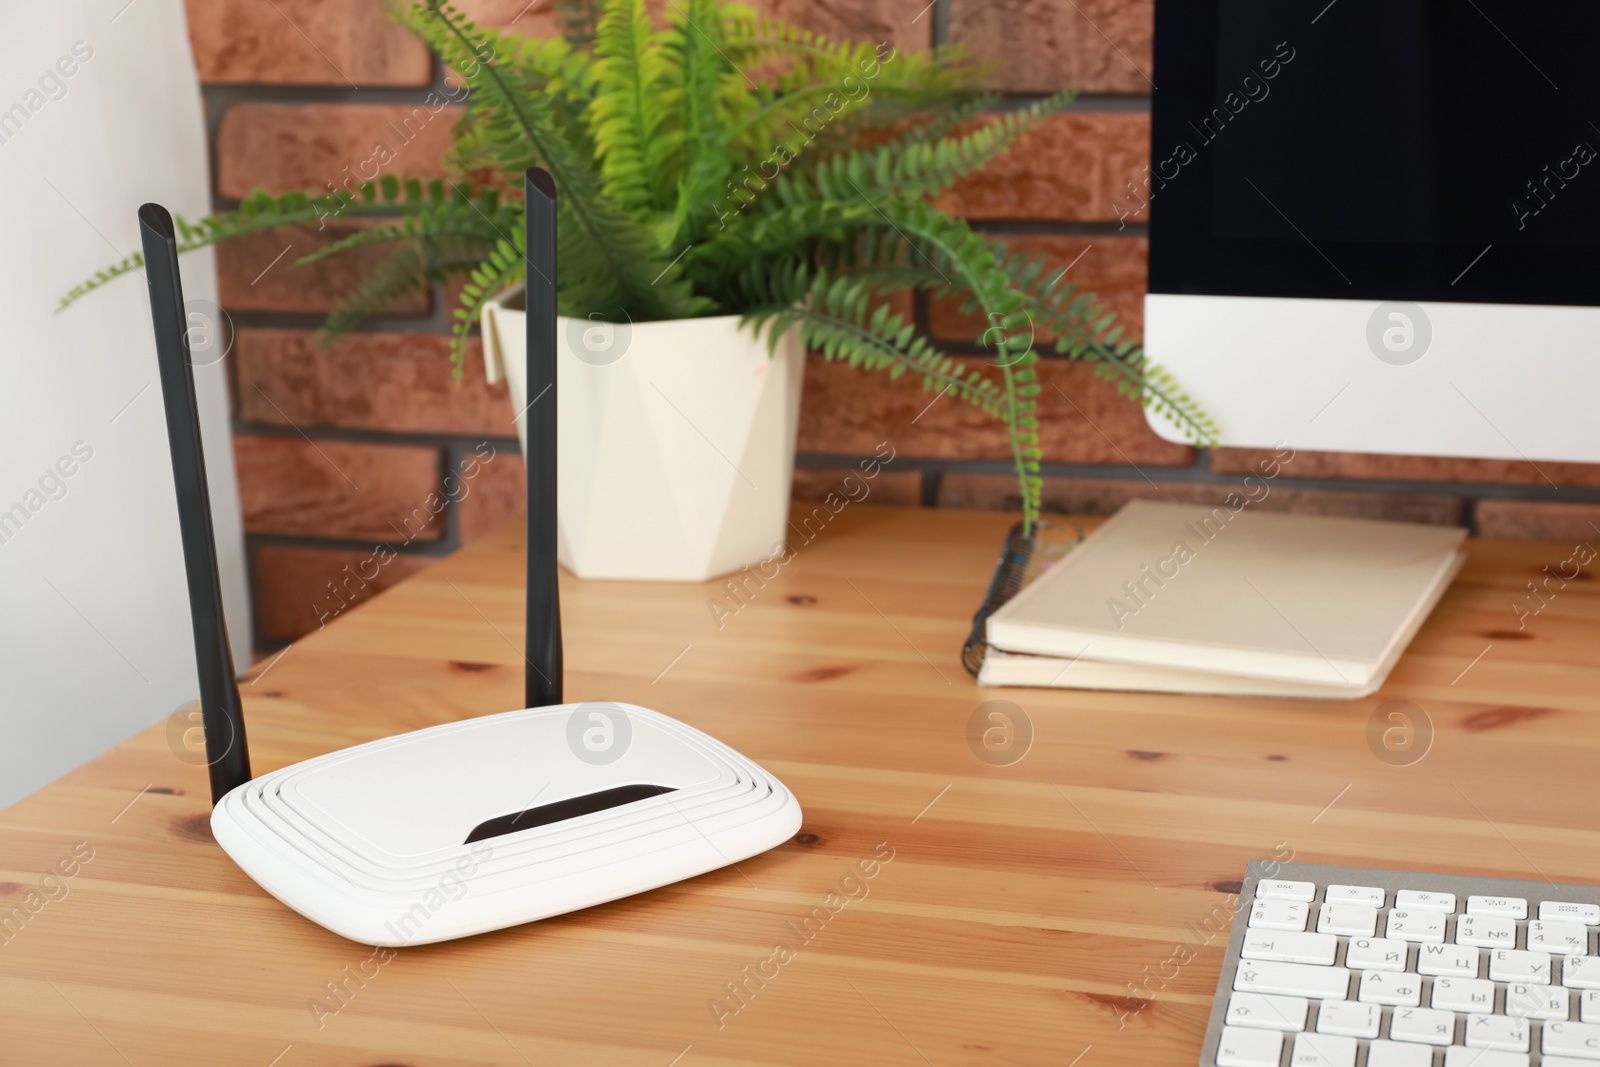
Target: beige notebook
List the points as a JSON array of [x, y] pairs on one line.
[[1021, 669], [1309, 600]]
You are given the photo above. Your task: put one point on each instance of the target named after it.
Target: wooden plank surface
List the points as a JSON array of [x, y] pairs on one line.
[[1077, 898]]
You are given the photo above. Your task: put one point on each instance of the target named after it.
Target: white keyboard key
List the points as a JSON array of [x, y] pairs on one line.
[[1323, 1050], [1382, 987], [1427, 1025], [1416, 925], [1515, 965], [1278, 915], [1505, 907], [1369, 895], [1292, 979], [1286, 946], [1304, 892], [1567, 938], [1355, 920], [1348, 1017], [1398, 1054], [1474, 995], [1478, 1057], [1262, 1012], [1589, 1006], [1497, 1031], [1578, 1040], [1581, 972], [1454, 961], [1561, 911], [1527, 1001], [1375, 954], [1564, 1061], [1249, 1048], [1412, 900], [1486, 931]]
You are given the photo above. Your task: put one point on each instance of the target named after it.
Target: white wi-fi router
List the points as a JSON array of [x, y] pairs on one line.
[[475, 825]]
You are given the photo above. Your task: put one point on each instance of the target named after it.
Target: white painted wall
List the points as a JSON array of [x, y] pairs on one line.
[[95, 641]]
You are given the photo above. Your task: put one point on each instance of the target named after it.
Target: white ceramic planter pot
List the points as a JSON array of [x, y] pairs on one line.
[[677, 440]]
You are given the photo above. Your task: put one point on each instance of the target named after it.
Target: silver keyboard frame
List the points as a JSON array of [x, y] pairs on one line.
[[1462, 885]]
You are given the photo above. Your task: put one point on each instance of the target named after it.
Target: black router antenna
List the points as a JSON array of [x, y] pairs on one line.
[[544, 595], [227, 753]]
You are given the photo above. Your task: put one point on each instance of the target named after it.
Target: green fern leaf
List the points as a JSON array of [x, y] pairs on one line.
[[610, 263], [628, 112]]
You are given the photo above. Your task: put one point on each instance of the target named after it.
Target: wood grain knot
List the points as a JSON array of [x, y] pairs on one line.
[[467, 667], [807, 839], [822, 674], [801, 600], [10, 888], [1119, 1006], [1495, 718], [1138, 754], [165, 790], [1229, 888], [1508, 635], [194, 828], [1277, 758]]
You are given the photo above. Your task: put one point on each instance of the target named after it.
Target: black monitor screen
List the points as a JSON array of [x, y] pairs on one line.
[[1376, 149]]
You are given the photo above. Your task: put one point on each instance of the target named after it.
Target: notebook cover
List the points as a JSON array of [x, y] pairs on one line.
[[1020, 669], [1299, 598]]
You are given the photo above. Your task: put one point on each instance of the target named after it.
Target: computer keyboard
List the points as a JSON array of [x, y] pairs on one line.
[[1355, 967]]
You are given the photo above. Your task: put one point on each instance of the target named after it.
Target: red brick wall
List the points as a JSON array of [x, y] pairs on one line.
[[340, 449]]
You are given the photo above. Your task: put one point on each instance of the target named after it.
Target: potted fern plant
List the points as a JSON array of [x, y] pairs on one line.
[[733, 193]]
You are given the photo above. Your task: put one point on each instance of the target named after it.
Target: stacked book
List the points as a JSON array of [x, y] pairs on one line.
[[1182, 598]]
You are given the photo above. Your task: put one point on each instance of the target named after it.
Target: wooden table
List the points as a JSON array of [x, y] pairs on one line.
[[1053, 908]]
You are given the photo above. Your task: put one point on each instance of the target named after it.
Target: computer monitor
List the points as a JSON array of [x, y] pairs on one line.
[[1375, 224]]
